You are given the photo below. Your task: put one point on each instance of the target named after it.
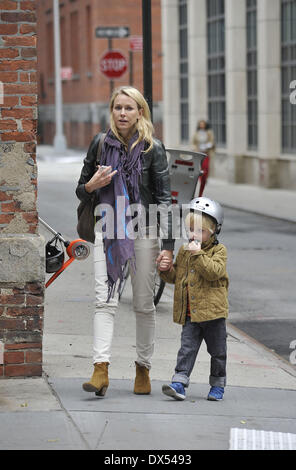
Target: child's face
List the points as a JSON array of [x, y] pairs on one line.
[[200, 234]]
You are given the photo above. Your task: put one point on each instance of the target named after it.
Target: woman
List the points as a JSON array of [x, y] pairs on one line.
[[204, 142], [135, 169]]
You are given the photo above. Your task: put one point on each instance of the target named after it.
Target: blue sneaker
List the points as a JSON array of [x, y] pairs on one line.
[[216, 394], [175, 390]]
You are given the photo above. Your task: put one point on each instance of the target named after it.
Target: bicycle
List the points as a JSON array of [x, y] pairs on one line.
[[185, 169]]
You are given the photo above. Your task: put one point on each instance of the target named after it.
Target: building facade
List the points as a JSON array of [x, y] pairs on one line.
[[233, 62], [86, 93], [22, 265]]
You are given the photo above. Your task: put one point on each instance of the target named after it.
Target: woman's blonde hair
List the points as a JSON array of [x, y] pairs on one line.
[[144, 125]]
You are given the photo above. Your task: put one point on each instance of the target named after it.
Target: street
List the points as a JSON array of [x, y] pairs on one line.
[[261, 264], [257, 412], [163, 79], [261, 268]]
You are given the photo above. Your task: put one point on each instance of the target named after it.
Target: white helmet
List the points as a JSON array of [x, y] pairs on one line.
[[209, 207]]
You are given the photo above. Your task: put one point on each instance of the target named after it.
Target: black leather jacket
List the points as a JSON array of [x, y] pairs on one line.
[[154, 186]]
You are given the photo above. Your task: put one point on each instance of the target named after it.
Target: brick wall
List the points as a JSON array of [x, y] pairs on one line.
[[21, 248]]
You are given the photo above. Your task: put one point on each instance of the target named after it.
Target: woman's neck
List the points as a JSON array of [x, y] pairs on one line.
[[126, 137]]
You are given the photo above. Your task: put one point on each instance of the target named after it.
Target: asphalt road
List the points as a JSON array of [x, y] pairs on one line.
[[261, 264], [262, 270]]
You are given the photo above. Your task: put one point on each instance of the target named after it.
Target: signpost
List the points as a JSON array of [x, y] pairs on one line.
[[113, 64], [66, 73], [136, 43], [109, 64], [112, 32]]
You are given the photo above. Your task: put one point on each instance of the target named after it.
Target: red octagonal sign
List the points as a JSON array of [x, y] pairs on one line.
[[113, 64]]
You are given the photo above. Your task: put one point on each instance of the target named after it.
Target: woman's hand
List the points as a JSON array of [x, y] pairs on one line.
[[101, 178], [165, 264]]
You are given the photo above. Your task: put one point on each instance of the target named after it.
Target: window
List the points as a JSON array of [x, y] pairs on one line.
[[216, 68], [252, 103], [50, 50], [75, 45], [183, 64], [63, 41], [288, 69], [89, 36]]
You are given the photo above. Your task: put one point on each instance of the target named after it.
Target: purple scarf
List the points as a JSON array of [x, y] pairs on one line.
[[125, 184]]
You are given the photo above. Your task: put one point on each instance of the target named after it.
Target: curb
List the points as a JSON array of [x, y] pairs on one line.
[[262, 214], [262, 349]]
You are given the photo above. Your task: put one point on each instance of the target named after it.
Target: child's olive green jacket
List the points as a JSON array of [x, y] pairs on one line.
[[202, 278]]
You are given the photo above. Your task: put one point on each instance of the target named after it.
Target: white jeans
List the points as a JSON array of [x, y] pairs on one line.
[[146, 251]]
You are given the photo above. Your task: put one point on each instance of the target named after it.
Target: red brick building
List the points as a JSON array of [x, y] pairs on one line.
[[86, 94], [21, 247]]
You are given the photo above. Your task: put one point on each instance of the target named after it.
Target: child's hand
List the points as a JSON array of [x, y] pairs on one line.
[[164, 264], [194, 246]]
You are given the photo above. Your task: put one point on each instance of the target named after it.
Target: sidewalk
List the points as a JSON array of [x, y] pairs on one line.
[[278, 203], [53, 412]]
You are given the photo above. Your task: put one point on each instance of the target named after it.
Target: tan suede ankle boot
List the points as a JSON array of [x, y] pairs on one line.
[[99, 381], [142, 380]]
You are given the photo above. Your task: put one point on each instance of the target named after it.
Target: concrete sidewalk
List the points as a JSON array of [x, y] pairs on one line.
[[278, 203], [53, 412]]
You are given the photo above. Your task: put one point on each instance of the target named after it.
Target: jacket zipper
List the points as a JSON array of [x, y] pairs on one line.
[[183, 294]]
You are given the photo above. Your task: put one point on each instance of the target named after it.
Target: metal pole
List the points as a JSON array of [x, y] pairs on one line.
[[60, 143], [147, 53], [51, 230], [110, 47], [131, 69]]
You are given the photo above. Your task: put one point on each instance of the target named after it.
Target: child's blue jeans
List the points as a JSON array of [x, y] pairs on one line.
[[214, 334]]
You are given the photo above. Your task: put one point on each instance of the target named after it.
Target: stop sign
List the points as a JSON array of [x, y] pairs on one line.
[[113, 64]]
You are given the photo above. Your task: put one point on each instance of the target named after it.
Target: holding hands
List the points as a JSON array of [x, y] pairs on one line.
[[165, 260]]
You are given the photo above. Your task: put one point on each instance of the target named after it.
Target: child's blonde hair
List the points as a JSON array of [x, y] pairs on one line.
[[144, 125], [206, 221]]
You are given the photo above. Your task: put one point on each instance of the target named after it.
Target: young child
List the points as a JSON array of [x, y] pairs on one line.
[[200, 297]]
